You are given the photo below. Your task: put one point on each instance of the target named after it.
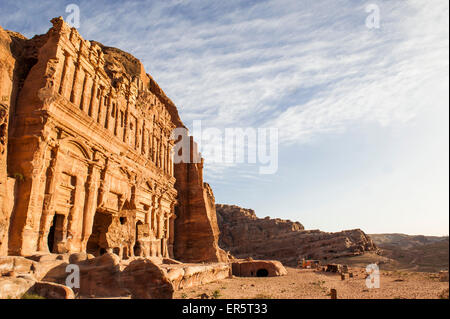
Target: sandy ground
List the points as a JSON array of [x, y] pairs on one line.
[[311, 284]]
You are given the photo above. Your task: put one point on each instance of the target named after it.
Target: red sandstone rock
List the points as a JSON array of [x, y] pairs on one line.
[[14, 288], [145, 280], [149, 278], [8, 85], [190, 275], [17, 265], [197, 235], [258, 268], [51, 290], [90, 156], [245, 235]]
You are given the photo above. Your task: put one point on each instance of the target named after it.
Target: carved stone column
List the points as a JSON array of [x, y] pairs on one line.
[[100, 105], [171, 234], [83, 90], [92, 103], [65, 74], [75, 84], [75, 220], [126, 128], [153, 216], [90, 206], [159, 223], [48, 212]]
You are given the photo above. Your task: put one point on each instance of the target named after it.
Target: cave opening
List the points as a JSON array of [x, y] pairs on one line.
[[262, 273], [137, 245], [56, 233], [97, 243]]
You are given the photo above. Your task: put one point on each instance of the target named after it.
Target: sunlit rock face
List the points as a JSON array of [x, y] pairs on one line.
[[86, 142], [244, 235]]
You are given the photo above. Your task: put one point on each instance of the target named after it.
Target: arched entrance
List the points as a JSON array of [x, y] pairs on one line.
[[56, 233], [262, 273]]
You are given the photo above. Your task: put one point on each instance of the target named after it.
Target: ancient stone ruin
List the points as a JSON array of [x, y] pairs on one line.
[[88, 178], [86, 160], [245, 235]]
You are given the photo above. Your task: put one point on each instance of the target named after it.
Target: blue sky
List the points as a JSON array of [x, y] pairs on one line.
[[362, 113]]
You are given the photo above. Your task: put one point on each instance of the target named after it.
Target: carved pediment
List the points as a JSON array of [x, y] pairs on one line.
[[77, 148]]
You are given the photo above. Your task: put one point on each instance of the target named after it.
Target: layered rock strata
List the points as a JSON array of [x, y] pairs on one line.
[[86, 144], [244, 235]]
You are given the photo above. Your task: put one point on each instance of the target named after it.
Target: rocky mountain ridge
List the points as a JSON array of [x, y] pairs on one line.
[[414, 252], [244, 235]]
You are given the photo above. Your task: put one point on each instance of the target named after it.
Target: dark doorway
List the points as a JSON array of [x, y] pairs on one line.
[[97, 243], [137, 246], [51, 235], [56, 233], [262, 273]]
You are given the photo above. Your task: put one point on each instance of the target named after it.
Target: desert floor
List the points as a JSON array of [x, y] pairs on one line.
[[311, 284]]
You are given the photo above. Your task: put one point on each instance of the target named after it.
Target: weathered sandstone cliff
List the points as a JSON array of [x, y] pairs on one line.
[[13, 66], [86, 144], [197, 235], [244, 235]]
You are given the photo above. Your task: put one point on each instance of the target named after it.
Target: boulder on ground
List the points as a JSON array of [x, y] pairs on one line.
[[14, 288], [145, 280], [104, 276], [16, 265], [50, 290], [77, 257]]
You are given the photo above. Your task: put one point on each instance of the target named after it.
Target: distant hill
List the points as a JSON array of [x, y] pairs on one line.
[[414, 252], [244, 235]]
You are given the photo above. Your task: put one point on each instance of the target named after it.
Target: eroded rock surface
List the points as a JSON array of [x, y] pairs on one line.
[[50, 290], [197, 235], [244, 235], [85, 144], [14, 288], [191, 275], [138, 277], [258, 268]]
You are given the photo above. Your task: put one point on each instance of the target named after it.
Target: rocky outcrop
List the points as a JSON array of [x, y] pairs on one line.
[[106, 276], [20, 275], [258, 268], [244, 235], [145, 280], [7, 83], [90, 143], [197, 232], [46, 275], [50, 290], [14, 288], [189, 275]]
